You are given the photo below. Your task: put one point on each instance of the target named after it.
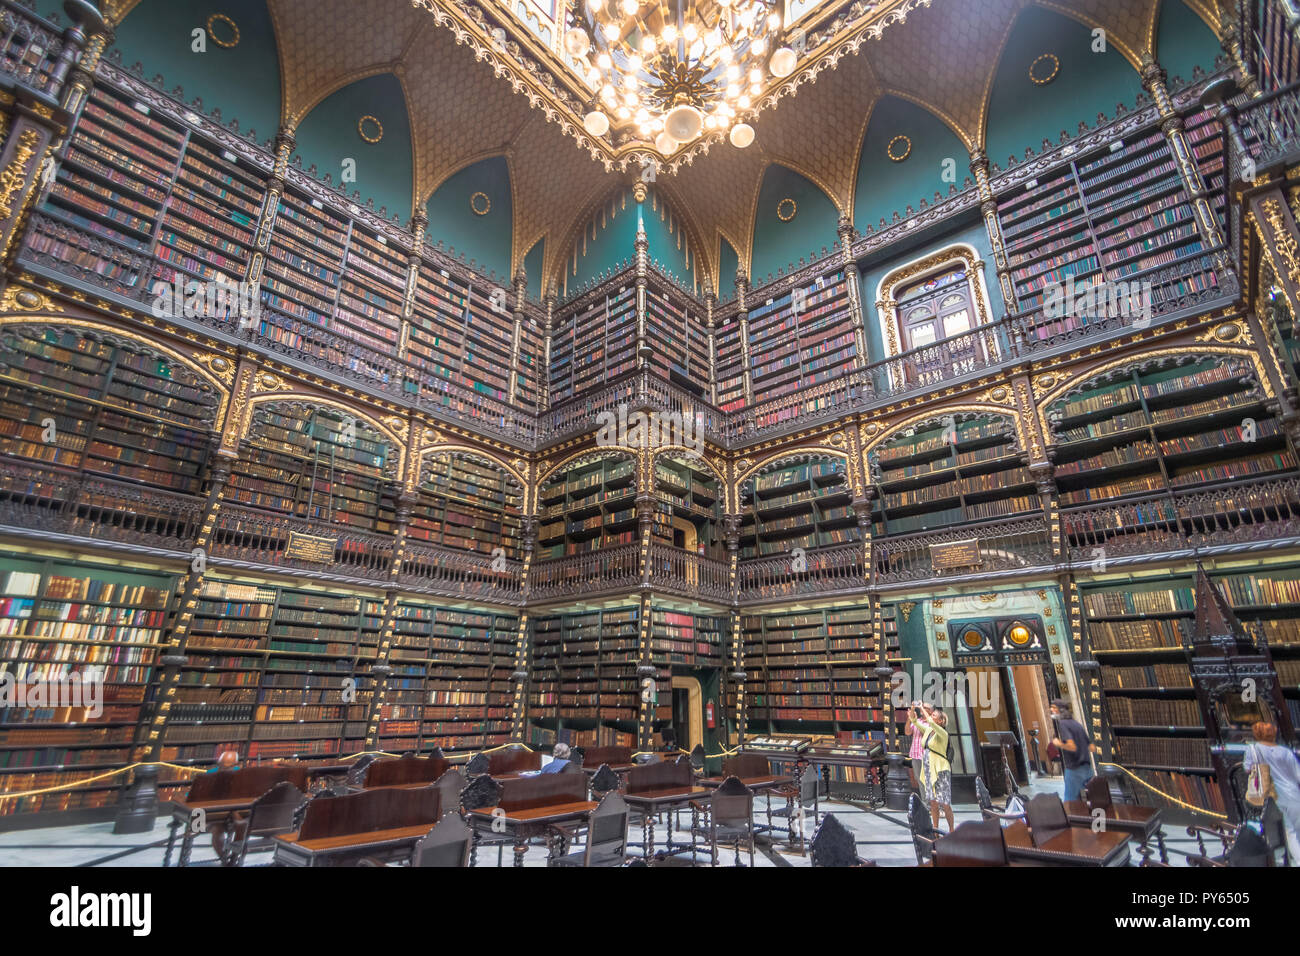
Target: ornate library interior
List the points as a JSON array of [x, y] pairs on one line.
[[664, 433]]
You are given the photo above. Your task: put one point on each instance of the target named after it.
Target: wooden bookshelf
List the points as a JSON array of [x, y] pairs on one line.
[[729, 365], [689, 506], [1267, 603], [1151, 721], [61, 619], [798, 503], [117, 413], [468, 503], [311, 462], [592, 505], [952, 471], [593, 342], [584, 675], [677, 337], [1140, 435], [1118, 213]]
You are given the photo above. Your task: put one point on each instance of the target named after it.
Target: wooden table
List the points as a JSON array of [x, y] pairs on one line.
[[1142, 823], [529, 822], [331, 851], [757, 784], [650, 803], [1077, 846]]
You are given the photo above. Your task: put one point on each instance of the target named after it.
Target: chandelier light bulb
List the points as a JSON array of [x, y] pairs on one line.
[[733, 73], [630, 99], [630, 7], [595, 6], [784, 61], [623, 113], [647, 44], [724, 3], [604, 61], [726, 54], [665, 144], [634, 63], [759, 46], [576, 42], [743, 102], [690, 32], [611, 32], [742, 134], [683, 122], [774, 21], [670, 34], [596, 123]]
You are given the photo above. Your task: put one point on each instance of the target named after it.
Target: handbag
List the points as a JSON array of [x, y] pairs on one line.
[[1259, 786]]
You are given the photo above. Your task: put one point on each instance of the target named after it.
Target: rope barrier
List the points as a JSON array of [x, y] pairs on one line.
[[1168, 796]]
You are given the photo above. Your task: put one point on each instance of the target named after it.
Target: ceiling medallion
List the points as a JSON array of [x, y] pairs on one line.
[[480, 204], [781, 206], [672, 74], [904, 143], [234, 28], [378, 126], [1051, 62]]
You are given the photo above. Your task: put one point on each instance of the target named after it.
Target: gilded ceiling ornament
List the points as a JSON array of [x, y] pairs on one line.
[[899, 148], [907, 607], [1044, 69], [480, 204], [378, 130], [227, 22], [781, 207]]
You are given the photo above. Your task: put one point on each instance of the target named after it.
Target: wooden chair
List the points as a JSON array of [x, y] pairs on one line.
[[972, 844], [606, 828], [395, 771], [273, 812], [833, 845], [1046, 817], [603, 781], [1132, 818], [478, 764], [448, 844], [924, 834], [1014, 810], [731, 818], [804, 793], [449, 786], [483, 791], [1242, 846], [357, 772]]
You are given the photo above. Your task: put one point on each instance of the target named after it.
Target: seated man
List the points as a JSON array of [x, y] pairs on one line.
[[559, 759], [229, 760]]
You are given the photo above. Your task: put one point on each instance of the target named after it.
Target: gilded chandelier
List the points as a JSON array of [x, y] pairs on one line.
[[674, 69]]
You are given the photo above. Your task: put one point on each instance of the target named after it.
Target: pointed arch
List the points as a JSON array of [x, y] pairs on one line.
[[429, 451], [811, 234], [394, 439], [458, 224], [895, 429]]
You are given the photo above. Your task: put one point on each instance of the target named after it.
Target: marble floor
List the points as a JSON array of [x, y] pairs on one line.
[[882, 836]]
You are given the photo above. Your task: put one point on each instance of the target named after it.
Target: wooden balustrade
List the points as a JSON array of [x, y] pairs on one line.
[[684, 571], [606, 569], [840, 567], [1019, 544], [428, 567], [261, 537]]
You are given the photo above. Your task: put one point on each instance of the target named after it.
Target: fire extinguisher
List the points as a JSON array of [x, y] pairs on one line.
[[708, 715]]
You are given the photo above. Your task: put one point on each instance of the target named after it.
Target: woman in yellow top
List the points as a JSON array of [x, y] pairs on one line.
[[937, 776]]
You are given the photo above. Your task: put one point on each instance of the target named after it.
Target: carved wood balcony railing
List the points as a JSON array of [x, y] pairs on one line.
[[29, 48], [840, 567], [1242, 515], [58, 502], [1009, 545], [261, 537], [439, 570], [607, 569], [1270, 127], [673, 569]]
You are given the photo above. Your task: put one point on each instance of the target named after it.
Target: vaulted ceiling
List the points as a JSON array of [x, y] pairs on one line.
[[468, 101]]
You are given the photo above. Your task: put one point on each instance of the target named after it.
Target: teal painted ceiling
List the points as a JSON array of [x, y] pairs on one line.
[[608, 240], [794, 220], [476, 207]]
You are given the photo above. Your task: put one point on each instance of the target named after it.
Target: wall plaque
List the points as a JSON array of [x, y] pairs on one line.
[[955, 554], [308, 547]]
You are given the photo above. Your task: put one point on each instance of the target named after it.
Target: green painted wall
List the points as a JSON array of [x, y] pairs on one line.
[[328, 136], [728, 262], [1023, 114], [533, 267], [1183, 41], [778, 244], [885, 187], [975, 236], [243, 82], [615, 242], [485, 239]]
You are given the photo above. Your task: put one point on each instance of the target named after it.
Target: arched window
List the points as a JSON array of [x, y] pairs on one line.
[[938, 307]]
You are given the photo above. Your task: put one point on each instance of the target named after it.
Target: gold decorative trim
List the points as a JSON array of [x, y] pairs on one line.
[[907, 151], [794, 209], [222, 18], [20, 299], [1056, 68], [1227, 332], [487, 204], [361, 128]]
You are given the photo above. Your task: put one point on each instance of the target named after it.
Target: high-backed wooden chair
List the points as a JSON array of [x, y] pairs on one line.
[[1273, 826], [972, 844], [603, 781], [449, 844], [273, 812], [1046, 817], [513, 760], [923, 833], [731, 818], [833, 845], [606, 828], [483, 791], [1014, 810], [449, 786], [800, 797]]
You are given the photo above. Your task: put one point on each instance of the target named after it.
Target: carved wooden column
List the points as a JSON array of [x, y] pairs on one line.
[[544, 373], [643, 350], [731, 529], [1230, 41], [1279, 242], [519, 702], [742, 289], [419, 223], [979, 165], [845, 231], [710, 303], [382, 669], [1207, 223], [284, 145], [521, 290], [646, 671]]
